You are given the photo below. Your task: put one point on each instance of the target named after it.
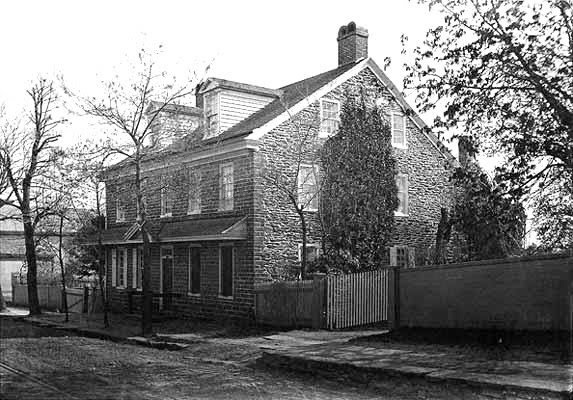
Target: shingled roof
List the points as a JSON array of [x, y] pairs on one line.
[[291, 95]]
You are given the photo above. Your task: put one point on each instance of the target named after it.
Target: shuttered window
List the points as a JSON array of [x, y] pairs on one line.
[[226, 187], [226, 271], [329, 117], [398, 130], [194, 192], [307, 187], [194, 284], [402, 184]]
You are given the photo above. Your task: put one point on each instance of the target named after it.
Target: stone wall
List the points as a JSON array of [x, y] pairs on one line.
[[427, 169], [524, 293]]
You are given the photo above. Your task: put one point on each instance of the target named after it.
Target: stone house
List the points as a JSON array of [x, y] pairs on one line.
[[219, 225]]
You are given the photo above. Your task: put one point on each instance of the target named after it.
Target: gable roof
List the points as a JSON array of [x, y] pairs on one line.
[[291, 95]]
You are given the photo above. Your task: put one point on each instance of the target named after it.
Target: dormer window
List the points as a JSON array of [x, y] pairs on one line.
[[212, 113], [329, 117]]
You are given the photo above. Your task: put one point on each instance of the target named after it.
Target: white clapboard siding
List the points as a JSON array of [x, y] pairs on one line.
[[236, 106]]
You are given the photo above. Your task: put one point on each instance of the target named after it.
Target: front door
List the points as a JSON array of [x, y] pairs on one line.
[[166, 278]]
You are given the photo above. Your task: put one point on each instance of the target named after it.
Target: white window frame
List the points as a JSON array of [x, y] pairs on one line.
[[122, 270], [226, 204], [215, 113], [405, 179], [197, 178], [409, 256], [300, 191], [308, 246], [323, 132], [165, 192], [393, 116], [221, 246], [119, 211], [189, 281]]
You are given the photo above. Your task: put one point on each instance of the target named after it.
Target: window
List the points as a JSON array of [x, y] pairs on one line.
[[307, 188], [398, 130], [166, 200], [312, 252], [226, 187], [226, 271], [329, 116], [194, 192], [211, 113], [402, 184], [121, 279], [402, 256], [119, 211], [194, 273]]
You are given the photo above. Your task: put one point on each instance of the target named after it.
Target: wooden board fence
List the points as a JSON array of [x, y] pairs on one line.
[[332, 302], [357, 299], [284, 304]]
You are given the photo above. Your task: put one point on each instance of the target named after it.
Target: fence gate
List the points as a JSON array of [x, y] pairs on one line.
[[357, 299]]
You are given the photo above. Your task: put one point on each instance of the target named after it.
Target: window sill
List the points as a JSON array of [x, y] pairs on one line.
[[193, 294], [400, 146], [220, 296], [399, 214], [166, 215], [193, 212]]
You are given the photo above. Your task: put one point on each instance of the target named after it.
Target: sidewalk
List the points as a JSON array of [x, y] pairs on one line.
[[336, 353], [375, 361]]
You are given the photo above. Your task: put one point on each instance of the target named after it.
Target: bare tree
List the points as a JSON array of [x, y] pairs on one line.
[[299, 183], [27, 154], [131, 108]]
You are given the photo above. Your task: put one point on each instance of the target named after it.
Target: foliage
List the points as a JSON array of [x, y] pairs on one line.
[[359, 193], [493, 223], [504, 70], [554, 215]]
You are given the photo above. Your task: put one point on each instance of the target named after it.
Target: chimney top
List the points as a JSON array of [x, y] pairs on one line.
[[352, 43]]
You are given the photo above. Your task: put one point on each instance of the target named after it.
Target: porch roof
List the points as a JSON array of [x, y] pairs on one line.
[[190, 230]]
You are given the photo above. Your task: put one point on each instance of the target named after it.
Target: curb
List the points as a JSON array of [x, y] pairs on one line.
[[331, 368], [96, 334]]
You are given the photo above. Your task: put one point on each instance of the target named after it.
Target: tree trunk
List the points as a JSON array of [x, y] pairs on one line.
[[101, 260], [303, 255], [147, 308], [63, 270], [33, 301]]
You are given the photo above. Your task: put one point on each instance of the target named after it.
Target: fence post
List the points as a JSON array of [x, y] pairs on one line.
[[394, 297], [318, 301]]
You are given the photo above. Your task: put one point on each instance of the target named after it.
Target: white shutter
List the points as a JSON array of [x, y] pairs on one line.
[[393, 256], [113, 267], [134, 268]]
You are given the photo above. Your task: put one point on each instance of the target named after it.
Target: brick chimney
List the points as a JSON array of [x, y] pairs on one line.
[[352, 43]]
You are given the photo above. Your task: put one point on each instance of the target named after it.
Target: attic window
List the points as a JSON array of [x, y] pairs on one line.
[[399, 130], [212, 113], [329, 117]]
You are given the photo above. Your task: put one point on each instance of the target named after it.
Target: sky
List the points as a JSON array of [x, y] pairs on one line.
[[265, 43]]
